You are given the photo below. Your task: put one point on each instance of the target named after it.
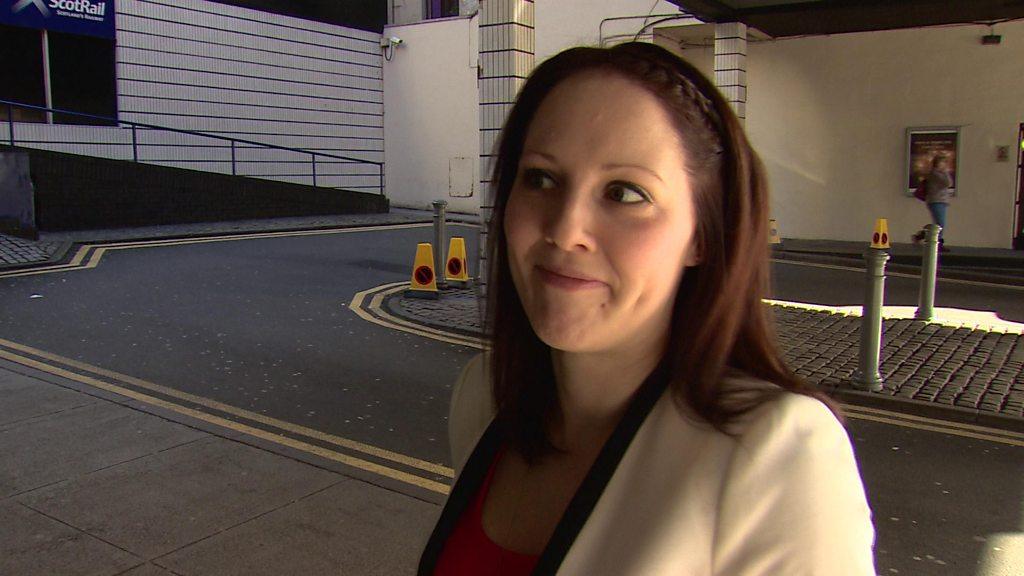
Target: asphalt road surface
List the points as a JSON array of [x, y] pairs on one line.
[[263, 325], [844, 286]]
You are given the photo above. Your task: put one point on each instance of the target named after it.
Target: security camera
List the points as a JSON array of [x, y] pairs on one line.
[[390, 42]]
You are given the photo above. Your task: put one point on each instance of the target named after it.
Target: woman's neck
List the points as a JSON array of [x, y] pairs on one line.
[[594, 390]]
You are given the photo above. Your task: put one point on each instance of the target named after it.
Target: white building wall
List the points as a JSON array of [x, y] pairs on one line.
[[431, 116], [828, 116], [221, 69], [406, 11], [565, 23]]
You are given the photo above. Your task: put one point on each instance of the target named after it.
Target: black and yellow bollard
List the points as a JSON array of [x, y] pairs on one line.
[[424, 282], [456, 269]]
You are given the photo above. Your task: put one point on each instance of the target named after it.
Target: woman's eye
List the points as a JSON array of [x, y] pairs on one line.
[[538, 179], [626, 194]]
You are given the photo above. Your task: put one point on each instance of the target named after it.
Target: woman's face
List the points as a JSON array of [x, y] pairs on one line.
[[600, 221]]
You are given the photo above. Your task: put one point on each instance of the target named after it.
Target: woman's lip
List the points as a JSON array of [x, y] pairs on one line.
[[562, 280]]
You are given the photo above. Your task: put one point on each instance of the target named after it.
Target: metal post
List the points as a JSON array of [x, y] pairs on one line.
[[439, 237], [867, 375], [47, 84], [234, 172], [314, 168], [929, 267], [10, 123], [135, 148]]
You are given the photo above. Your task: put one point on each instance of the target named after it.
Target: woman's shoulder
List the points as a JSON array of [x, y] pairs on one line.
[[777, 413], [471, 409], [792, 489]]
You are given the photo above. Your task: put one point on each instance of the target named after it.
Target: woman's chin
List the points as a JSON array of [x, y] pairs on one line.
[[567, 337]]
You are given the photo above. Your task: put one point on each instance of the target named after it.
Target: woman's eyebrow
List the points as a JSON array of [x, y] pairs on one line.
[[633, 166], [544, 155]]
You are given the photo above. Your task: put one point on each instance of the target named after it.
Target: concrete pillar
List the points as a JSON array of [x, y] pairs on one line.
[[731, 65], [506, 59]]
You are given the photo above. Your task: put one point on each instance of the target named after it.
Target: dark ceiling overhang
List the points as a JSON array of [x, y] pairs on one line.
[[782, 18]]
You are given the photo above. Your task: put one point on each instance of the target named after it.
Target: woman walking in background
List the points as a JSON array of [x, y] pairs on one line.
[[938, 191], [634, 415]]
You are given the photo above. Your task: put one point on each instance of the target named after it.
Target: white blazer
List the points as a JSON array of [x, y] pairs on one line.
[[782, 497]]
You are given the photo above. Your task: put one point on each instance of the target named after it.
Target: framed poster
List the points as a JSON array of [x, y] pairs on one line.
[[924, 144]]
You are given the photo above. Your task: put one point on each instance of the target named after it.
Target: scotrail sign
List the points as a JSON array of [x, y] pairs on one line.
[[89, 17]]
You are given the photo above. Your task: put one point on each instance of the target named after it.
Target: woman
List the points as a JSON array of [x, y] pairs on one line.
[[938, 192], [634, 415]]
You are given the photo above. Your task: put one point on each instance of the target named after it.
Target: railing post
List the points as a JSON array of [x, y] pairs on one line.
[[135, 148], [10, 123], [233, 171], [929, 268], [439, 237], [380, 177], [313, 154], [867, 375]]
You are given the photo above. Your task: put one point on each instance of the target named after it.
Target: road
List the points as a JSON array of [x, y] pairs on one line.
[[261, 324]]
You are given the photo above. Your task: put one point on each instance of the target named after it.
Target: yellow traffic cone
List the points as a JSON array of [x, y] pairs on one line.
[[880, 239], [423, 283], [456, 271], [773, 232]]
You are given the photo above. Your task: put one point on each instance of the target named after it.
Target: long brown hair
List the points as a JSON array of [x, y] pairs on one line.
[[719, 323]]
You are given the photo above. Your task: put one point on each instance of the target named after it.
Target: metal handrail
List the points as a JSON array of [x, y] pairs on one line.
[[135, 153]]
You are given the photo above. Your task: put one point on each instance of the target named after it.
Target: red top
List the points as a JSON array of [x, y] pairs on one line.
[[470, 551]]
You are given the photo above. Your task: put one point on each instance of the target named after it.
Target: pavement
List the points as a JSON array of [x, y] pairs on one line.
[[96, 482]]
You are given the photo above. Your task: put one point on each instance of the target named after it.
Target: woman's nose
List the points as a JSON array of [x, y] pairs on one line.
[[568, 222]]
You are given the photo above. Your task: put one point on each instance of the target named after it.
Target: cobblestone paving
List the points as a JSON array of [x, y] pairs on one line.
[[17, 251], [960, 367], [940, 364], [457, 310]]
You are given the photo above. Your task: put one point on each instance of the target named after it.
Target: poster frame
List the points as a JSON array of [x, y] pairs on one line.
[[957, 131]]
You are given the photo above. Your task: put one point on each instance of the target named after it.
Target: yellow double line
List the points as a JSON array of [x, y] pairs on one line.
[[368, 305], [177, 401], [933, 425]]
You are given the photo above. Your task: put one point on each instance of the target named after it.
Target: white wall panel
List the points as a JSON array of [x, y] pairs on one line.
[[130, 40], [143, 90], [200, 33], [217, 65], [431, 120], [185, 107], [173, 77]]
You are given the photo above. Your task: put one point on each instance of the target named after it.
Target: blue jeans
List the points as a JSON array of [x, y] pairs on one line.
[[938, 210]]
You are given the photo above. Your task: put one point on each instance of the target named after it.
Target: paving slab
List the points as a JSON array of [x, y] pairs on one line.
[[351, 528], [155, 505], [25, 399], [35, 545], [75, 442], [147, 569]]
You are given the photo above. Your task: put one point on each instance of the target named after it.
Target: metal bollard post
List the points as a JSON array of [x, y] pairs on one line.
[[439, 237], [929, 267], [867, 375]]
